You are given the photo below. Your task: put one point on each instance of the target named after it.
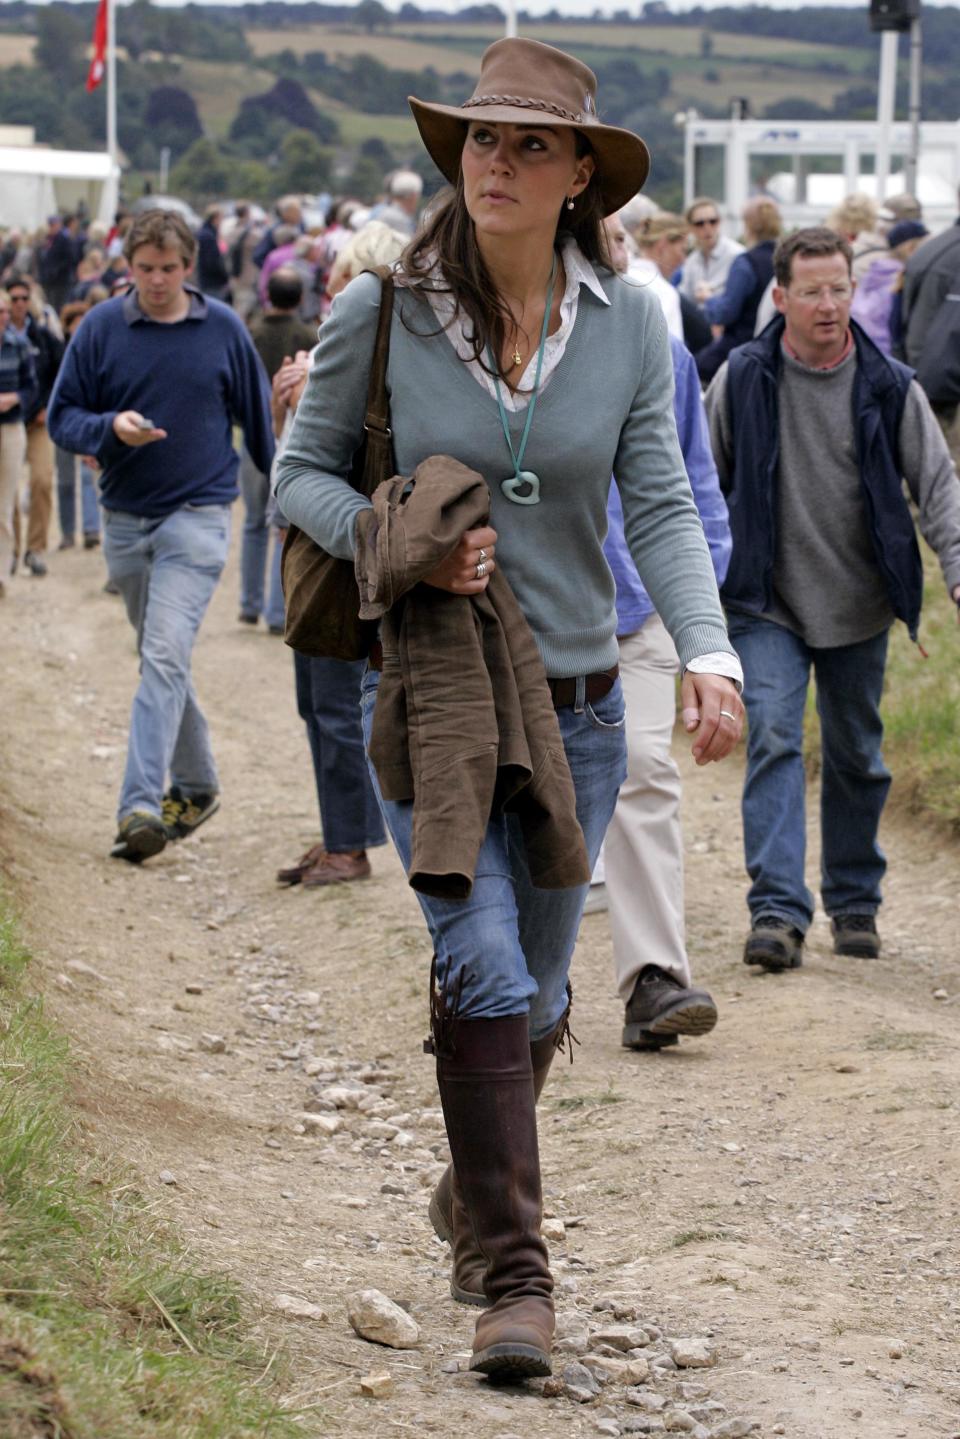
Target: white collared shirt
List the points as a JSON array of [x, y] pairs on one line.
[[644, 272], [578, 271]]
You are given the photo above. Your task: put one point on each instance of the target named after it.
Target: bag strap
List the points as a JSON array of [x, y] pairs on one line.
[[378, 405]]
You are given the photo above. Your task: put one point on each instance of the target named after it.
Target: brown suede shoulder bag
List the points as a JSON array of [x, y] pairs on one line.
[[320, 592]]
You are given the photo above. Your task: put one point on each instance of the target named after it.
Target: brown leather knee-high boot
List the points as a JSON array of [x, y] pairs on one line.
[[486, 1090], [446, 1210]]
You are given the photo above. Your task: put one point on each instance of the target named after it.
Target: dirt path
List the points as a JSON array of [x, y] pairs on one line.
[[786, 1188]]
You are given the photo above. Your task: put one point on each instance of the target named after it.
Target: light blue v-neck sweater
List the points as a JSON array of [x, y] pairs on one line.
[[608, 409]]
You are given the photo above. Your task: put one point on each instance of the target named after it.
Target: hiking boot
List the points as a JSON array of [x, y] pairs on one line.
[[294, 874], [660, 1009], [855, 935], [182, 814], [35, 563], [140, 836], [337, 869], [773, 943]]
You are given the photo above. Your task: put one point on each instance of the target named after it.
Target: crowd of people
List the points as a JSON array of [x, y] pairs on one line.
[[630, 448]]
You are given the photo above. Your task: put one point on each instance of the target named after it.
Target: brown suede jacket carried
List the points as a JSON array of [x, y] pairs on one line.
[[464, 723]]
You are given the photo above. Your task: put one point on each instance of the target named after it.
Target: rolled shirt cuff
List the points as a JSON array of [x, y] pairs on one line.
[[719, 662]]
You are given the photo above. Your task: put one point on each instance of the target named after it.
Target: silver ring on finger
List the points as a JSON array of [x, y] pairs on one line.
[[728, 715], [481, 570], [482, 556]]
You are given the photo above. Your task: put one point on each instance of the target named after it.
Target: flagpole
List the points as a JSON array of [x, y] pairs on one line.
[[112, 84]]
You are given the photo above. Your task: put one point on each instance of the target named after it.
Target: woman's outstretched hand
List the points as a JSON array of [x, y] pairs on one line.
[[712, 712], [467, 569]]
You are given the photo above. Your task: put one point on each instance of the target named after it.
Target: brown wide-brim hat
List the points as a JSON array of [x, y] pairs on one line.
[[523, 82]]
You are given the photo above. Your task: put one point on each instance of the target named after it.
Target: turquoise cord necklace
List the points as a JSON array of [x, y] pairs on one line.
[[523, 486]]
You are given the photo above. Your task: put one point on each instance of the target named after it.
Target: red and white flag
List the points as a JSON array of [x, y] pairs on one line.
[[98, 59]]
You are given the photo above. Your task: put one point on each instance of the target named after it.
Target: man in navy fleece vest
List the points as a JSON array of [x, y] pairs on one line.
[[152, 384], [815, 431]]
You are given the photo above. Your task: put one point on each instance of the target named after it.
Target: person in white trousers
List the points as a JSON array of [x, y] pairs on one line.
[[643, 848]]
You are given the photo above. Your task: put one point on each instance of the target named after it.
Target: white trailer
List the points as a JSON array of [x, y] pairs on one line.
[[808, 166]]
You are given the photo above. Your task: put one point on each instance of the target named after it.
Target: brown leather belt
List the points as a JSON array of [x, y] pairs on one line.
[[597, 685], [563, 692]]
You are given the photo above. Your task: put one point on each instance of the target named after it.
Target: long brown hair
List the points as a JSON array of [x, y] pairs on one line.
[[448, 241]]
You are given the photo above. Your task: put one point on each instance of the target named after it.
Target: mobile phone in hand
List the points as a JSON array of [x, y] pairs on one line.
[[146, 425]]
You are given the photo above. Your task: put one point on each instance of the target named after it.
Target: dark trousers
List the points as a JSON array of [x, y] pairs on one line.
[[328, 702]]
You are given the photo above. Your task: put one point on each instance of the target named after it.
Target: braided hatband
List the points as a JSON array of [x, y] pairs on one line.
[[524, 102]]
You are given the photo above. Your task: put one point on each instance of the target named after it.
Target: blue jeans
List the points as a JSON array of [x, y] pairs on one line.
[[854, 780], [328, 702], [513, 943], [67, 496], [255, 489], [166, 570]]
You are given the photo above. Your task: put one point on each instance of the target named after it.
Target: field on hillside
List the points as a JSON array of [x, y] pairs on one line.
[[762, 68], [16, 50], [393, 46], [393, 50], [219, 87]]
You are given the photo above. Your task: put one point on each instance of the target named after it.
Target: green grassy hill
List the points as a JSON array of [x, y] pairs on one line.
[[359, 80]]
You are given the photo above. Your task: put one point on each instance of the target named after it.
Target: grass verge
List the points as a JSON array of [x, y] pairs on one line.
[[106, 1330], [921, 707]]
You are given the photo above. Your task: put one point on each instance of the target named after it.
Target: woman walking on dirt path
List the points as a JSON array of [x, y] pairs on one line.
[[515, 349]]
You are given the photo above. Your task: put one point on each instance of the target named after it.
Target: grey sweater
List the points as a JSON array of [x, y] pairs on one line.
[[827, 587], [608, 409]]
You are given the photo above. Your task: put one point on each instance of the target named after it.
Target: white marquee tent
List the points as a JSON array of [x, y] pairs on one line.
[[36, 182]]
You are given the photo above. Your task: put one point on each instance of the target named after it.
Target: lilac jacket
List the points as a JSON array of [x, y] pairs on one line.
[[874, 303]]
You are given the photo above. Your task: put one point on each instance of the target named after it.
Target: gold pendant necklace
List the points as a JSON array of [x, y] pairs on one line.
[[517, 359]]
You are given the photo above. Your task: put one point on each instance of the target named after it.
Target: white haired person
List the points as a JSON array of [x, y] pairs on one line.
[[517, 355], [399, 210]]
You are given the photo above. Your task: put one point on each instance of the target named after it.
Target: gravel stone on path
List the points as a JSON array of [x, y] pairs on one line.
[[378, 1319], [691, 1354], [734, 1429], [298, 1308], [619, 1336], [579, 1384]]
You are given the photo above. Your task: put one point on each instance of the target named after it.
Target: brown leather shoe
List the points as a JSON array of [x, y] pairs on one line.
[[295, 873], [447, 1211], [337, 869]]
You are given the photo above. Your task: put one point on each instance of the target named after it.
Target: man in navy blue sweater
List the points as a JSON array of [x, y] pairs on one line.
[[152, 385]]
